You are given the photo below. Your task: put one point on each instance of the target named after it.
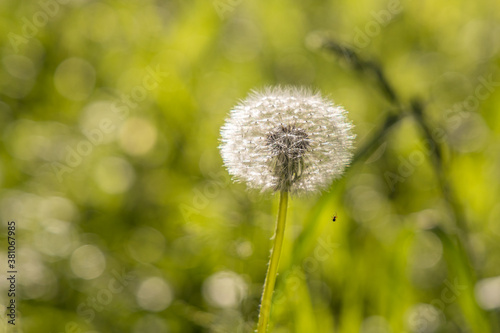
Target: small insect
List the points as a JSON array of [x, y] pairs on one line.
[[334, 217]]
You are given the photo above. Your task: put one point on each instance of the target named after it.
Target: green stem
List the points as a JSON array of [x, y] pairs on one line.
[[272, 269]]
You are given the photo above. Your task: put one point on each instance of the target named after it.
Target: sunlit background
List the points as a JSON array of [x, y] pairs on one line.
[[127, 221]]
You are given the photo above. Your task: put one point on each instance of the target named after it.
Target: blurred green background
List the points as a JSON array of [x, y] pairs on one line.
[[127, 221]]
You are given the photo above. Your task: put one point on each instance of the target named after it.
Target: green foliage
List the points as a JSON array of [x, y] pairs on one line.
[[127, 222]]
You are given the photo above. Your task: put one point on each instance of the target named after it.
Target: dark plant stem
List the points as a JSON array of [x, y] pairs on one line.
[[464, 251]]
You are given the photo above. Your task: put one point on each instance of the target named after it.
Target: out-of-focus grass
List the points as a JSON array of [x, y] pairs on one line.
[[153, 201]]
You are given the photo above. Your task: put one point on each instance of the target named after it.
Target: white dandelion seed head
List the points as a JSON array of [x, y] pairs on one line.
[[286, 139]]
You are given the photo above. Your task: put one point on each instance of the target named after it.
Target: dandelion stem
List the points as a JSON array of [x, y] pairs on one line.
[[272, 269]]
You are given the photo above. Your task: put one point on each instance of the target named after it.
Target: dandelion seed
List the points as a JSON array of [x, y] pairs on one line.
[[294, 141]]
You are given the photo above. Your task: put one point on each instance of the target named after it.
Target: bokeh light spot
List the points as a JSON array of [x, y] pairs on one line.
[[58, 208], [20, 67], [99, 122], [114, 175], [488, 293], [56, 239], [150, 324], [37, 280], [154, 294], [470, 134], [244, 249], [88, 262], [427, 250], [375, 324], [224, 289], [423, 318], [137, 136], [74, 79]]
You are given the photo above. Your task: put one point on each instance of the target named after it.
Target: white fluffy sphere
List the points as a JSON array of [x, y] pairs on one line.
[[287, 139]]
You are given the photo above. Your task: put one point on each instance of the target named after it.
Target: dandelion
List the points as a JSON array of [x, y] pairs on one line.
[[287, 140]]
